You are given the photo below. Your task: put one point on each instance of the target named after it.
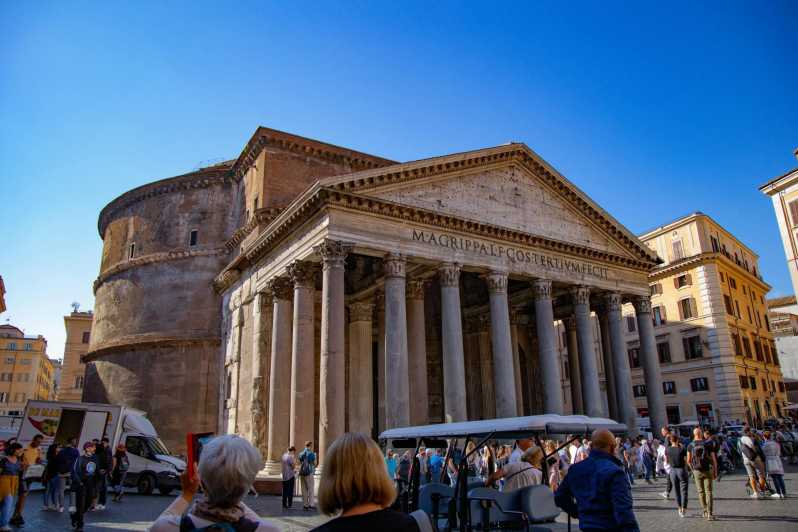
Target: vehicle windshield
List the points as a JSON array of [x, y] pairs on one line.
[[157, 446]]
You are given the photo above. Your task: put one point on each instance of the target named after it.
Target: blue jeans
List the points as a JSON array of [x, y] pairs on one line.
[[54, 495], [6, 509]]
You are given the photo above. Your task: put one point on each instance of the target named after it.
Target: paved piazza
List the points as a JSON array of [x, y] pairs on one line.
[[735, 511]]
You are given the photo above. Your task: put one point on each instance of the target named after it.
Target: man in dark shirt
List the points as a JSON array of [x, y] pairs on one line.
[[596, 490], [703, 461]]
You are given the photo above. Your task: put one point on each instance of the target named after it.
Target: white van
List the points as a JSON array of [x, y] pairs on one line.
[[151, 465]]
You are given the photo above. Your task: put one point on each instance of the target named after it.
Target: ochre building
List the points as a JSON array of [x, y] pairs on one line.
[[306, 289], [714, 340], [26, 372], [78, 335]]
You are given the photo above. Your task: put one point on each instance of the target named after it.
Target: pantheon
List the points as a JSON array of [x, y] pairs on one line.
[[304, 289]]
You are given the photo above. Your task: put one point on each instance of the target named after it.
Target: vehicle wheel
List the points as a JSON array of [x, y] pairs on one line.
[[165, 491], [145, 484]]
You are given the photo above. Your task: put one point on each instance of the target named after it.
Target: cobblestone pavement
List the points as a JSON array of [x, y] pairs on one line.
[[736, 512]]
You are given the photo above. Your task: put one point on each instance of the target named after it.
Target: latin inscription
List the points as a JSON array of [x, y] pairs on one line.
[[513, 254]]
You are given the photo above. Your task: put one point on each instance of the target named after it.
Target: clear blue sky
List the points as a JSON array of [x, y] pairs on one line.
[[655, 111]]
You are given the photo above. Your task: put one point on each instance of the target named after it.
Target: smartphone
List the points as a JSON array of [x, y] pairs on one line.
[[194, 444]]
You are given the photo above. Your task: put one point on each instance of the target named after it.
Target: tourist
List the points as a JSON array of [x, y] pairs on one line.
[[66, 460], [227, 469], [288, 462], [120, 463], [702, 461], [105, 460], [53, 495], [754, 462], [84, 484], [675, 463], [307, 468], [775, 467], [517, 475], [356, 489], [10, 470], [596, 490]]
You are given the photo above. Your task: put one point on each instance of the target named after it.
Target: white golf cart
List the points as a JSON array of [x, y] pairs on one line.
[[467, 507]]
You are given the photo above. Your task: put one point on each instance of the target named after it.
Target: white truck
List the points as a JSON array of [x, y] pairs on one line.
[[151, 465]]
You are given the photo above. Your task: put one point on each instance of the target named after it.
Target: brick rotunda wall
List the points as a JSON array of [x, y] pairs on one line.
[[156, 333]]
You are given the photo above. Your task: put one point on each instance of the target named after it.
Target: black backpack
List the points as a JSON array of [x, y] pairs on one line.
[[242, 525]]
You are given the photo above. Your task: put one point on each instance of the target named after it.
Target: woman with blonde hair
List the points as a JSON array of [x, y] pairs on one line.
[[356, 489]]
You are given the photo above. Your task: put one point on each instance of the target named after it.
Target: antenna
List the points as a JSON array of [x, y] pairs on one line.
[[75, 306]]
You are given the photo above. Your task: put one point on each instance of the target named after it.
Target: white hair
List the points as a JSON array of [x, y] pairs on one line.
[[227, 468]]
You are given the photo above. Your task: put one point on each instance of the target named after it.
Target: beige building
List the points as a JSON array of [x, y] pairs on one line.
[[25, 370], [714, 340], [78, 336]]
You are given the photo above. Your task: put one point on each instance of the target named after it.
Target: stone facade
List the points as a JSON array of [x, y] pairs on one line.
[[73, 371]]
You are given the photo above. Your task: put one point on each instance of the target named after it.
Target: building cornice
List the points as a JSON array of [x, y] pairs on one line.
[[303, 146], [705, 258], [319, 198], [203, 178], [154, 258]]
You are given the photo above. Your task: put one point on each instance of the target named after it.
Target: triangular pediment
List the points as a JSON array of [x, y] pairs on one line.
[[506, 196]]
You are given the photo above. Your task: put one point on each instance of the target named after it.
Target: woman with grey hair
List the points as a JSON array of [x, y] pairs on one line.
[[227, 468]]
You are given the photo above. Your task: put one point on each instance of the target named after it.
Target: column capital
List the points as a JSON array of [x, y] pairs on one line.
[[415, 289], [360, 311], [497, 282], [449, 274], [612, 301], [281, 288], [569, 323], [394, 265], [642, 304], [580, 295], [541, 288], [302, 273], [333, 253]]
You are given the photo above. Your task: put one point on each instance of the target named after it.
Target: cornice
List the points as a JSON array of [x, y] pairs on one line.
[[153, 258], [321, 198], [303, 146], [514, 153], [705, 258], [203, 178]]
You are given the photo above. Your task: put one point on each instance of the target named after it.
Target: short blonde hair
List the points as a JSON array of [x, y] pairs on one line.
[[354, 473]]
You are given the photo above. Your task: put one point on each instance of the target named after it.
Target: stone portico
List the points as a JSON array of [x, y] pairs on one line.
[[430, 292]]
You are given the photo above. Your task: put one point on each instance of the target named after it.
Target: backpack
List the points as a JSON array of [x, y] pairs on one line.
[[699, 456], [305, 469], [242, 525]]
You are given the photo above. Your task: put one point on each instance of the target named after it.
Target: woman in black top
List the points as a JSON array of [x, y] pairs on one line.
[[676, 456], [355, 487]]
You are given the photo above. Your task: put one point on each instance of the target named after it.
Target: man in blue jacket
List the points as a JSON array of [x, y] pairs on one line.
[[596, 490]]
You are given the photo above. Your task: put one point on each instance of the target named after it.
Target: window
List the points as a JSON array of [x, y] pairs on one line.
[[743, 382], [27, 346], [630, 323], [12, 346], [692, 347], [669, 387], [747, 346], [664, 352], [715, 245], [131, 250], [687, 308], [86, 336], [656, 289], [79, 382], [634, 357], [699, 384], [727, 302], [678, 252], [737, 348], [639, 390], [682, 281], [658, 316], [752, 382], [674, 418], [192, 238]]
